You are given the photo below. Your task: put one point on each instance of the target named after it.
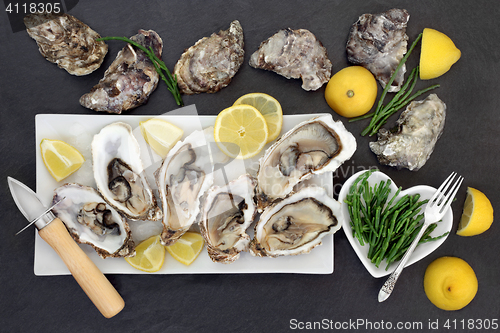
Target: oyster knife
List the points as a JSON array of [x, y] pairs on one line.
[[51, 229]]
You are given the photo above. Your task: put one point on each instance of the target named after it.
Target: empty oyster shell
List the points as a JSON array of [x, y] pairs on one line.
[[67, 42], [412, 143], [210, 64], [312, 147], [295, 54], [296, 224], [130, 79], [119, 173], [378, 42], [183, 178], [90, 220], [228, 212]]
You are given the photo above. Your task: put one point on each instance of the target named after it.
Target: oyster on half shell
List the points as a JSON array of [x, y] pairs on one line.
[[119, 173], [183, 178], [90, 220], [296, 224], [228, 212], [312, 147]]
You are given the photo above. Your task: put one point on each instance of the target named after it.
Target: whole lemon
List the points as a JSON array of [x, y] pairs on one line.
[[450, 283], [352, 91], [437, 55]]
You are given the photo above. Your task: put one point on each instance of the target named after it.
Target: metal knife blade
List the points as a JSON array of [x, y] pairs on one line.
[[30, 205]]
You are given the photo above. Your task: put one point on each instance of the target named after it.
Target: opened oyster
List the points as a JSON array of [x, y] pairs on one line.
[[67, 42], [295, 54], [210, 64], [378, 42], [312, 147], [412, 143], [119, 173], [296, 224], [130, 79], [228, 212], [91, 221], [183, 178]]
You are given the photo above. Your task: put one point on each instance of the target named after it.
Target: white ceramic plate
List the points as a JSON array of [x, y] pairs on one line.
[[421, 251], [79, 130]]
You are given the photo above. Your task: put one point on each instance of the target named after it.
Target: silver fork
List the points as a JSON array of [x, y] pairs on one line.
[[435, 210]]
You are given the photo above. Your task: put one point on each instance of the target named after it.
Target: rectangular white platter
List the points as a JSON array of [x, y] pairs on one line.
[[78, 130]]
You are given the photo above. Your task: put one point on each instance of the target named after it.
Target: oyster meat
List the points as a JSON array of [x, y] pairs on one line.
[[130, 79], [296, 224], [67, 42], [228, 212], [312, 147], [119, 173], [378, 42], [418, 129], [295, 54], [183, 178], [210, 64], [90, 220]]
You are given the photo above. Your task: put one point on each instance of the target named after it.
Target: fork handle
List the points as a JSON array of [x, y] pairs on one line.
[[388, 286]]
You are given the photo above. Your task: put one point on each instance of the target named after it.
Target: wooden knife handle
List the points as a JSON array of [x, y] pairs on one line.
[[97, 287]]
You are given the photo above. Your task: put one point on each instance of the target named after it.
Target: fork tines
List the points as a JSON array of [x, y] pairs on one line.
[[442, 197]]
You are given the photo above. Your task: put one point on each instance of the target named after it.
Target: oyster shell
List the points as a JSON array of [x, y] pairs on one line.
[[296, 224], [418, 129], [210, 64], [130, 79], [90, 220], [312, 147], [119, 173], [67, 42], [378, 42], [295, 54], [183, 178], [228, 211]]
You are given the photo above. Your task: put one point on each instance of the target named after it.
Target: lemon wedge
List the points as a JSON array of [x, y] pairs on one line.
[[60, 158], [160, 135], [437, 55], [150, 255], [477, 215], [187, 248], [269, 107], [240, 131]]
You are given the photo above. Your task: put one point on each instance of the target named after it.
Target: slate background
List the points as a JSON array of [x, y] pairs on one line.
[[255, 302]]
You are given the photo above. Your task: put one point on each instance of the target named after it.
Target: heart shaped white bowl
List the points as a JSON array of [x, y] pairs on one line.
[[421, 251]]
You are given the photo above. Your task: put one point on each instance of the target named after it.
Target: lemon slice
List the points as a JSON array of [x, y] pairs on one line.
[[269, 107], [160, 135], [477, 215], [240, 131], [437, 55], [60, 158], [187, 248], [150, 255]]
